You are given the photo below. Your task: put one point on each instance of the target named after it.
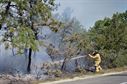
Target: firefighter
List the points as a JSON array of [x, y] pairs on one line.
[[97, 59]]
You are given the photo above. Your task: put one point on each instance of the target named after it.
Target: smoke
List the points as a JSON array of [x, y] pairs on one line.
[[10, 63]]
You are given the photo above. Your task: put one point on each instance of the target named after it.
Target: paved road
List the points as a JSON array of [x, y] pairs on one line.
[[111, 79]]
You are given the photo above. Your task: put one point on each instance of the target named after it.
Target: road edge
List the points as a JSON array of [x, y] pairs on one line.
[[82, 78]]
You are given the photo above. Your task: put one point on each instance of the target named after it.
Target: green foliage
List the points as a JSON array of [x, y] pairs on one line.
[[25, 39], [110, 37], [121, 60], [24, 18], [84, 42]]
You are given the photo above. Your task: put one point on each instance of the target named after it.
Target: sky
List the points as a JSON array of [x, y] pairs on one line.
[[89, 11]]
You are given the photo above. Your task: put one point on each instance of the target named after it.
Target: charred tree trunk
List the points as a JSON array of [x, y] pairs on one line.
[[29, 61], [64, 65], [76, 63]]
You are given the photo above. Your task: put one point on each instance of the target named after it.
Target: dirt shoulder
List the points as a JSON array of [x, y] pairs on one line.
[[28, 79], [13, 81], [80, 76]]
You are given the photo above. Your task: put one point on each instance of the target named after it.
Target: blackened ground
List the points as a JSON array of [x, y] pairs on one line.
[[8, 81]]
